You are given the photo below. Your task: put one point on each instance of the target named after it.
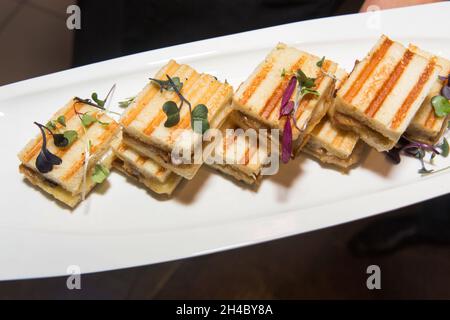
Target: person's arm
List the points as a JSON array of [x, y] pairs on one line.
[[389, 4]]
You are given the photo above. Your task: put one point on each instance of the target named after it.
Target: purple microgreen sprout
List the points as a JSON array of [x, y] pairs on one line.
[[45, 160]]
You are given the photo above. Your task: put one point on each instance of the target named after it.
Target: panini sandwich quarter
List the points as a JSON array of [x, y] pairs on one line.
[[384, 92], [332, 145], [159, 119], [143, 169], [240, 154], [258, 99], [72, 152], [426, 126]]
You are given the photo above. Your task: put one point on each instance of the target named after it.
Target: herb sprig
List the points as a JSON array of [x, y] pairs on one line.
[[199, 114], [45, 160], [419, 151], [96, 102], [306, 86], [100, 173], [441, 102], [126, 103]]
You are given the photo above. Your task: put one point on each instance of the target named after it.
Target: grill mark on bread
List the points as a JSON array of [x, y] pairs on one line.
[[389, 84], [368, 69], [431, 119], [337, 141], [160, 116], [257, 80], [413, 94], [103, 137], [148, 96], [277, 94], [140, 160]]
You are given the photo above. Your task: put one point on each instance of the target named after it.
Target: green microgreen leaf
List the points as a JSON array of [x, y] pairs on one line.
[[320, 62], [444, 148], [305, 91], [125, 103], [304, 80], [99, 102], [71, 136], [167, 85], [51, 125], [87, 119], [103, 123], [172, 112], [61, 120], [283, 73], [441, 106], [199, 119], [100, 173]]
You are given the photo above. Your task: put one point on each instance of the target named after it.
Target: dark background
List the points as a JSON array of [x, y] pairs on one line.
[[410, 245]]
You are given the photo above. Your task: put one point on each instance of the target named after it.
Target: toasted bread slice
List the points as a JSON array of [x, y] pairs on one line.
[[58, 192], [98, 136], [384, 92], [144, 119], [155, 177], [335, 146], [240, 154], [426, 127], [258, 99]]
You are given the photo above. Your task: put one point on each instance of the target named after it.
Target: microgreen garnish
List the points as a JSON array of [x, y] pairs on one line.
[[61, 120], [100, 173], [446, 88], [441, 106], [303, 80], [419, 151], [125, 103], [46, 160], [199, 119], [51, 125], [71, 136], [61, 140], [320, 62], [170, 84], [87, 119], [323, 71], [286, 111], [98, 103], [172, 112], [199, 115], [283, 73]]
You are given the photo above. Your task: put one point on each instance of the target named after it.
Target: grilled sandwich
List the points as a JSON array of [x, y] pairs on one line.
[[143, 122], [146, 171], [240, 154], [69, 169], [426, 127], [384, 92], [258, 99], [332, 145]]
